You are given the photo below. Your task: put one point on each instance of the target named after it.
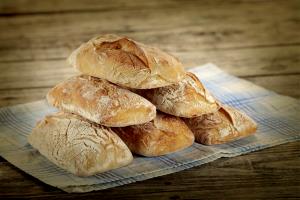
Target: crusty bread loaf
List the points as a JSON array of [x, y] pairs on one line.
[[79, 146], [101, 102], [188, 98], [220, 127], [164, 135], [126, 62]]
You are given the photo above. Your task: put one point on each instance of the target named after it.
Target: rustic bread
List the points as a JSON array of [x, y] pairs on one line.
[[188, 98], [126, 62], [101, 102], [79, 146], [164, 135], [220, 127]]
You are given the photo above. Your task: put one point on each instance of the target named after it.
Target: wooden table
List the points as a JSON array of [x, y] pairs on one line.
[[256, 40]]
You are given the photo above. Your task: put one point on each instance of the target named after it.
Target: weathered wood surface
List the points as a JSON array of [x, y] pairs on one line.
[[255, 40], [186, 26]]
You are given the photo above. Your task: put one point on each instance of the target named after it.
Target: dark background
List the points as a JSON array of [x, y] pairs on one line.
[[258, 40]]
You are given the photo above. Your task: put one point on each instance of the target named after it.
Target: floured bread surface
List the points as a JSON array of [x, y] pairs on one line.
[[101, 102], [78, 146], [220, 127], [126, 62], [165, 134], [188, 98]]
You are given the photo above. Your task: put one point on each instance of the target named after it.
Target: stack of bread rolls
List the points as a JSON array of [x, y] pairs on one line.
[[129, 98]]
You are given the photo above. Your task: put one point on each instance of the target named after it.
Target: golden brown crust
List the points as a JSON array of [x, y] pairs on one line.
[[188, 98], [101, 102], [165, 134], [123, 51], [79, 146], [126, 62], [220, 127]]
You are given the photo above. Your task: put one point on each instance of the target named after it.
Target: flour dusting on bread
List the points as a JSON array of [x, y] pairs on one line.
[[188, 98], [101, 102], [78, 146]]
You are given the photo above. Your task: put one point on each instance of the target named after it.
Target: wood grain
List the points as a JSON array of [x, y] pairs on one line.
[[255, 40], [182, 28], [285, 85], [9, 97], [33, 7]]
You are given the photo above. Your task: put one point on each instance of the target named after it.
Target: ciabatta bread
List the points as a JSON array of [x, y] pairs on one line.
[[101, 102], [188, 98], [165, 134], [79, 146], [223, 126], [126, 62]]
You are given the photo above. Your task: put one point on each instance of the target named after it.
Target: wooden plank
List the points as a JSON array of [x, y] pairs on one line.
[[259, 175], [21, 7], [34, 74], [239, 62], [285, 85], [19, 96], [247, 62], [183, 28]]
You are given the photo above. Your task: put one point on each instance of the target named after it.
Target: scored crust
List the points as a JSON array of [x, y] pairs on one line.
[[163, 135], [225, 125], [101, 102], [126, 62], [188, 98], [79, 146]]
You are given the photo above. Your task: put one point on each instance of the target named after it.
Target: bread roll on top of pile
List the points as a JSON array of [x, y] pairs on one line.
[[109, 111], [126, 62]]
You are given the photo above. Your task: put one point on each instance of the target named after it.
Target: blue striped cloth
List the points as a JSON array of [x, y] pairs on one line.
[[277, 117]]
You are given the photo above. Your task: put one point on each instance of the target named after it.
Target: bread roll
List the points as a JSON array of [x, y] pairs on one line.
[[220, 127], [188, 98], [101, 102], [79, 146], [126, 62], [164, 135]]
